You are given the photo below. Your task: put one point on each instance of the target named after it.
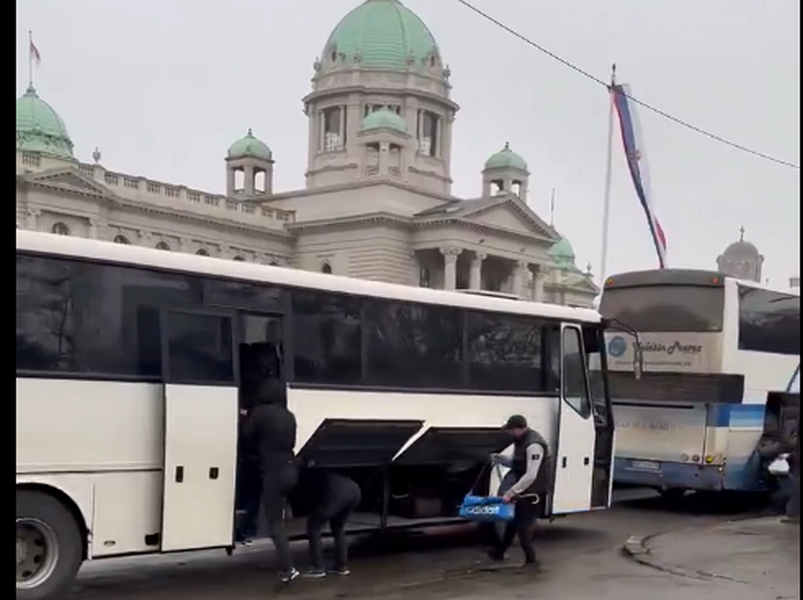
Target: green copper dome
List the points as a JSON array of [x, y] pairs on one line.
[[384, 119], [40, 129], [250, 146], [562, 253], [506, 159], [383, 35]]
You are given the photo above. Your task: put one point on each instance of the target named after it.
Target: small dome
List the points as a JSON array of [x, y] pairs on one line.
[[506, 159], [742, 249], [384, 119], [562, 253], [250, 146], [383, 35], [40, 129]]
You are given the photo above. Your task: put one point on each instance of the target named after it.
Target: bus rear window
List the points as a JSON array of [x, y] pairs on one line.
[[665, 308]]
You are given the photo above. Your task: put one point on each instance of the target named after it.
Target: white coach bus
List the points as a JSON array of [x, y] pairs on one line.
[[129, 371], [714, 348]]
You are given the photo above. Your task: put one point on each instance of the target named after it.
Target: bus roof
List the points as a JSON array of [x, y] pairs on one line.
[[108, 252], [695, 277]]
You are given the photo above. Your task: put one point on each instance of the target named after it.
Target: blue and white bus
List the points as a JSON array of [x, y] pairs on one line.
[[713, 347]]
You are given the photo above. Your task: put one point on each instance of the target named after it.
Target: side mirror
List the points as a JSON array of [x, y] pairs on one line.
[[638, 360]]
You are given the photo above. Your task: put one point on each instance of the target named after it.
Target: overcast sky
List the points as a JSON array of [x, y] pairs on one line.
[[163, 88]]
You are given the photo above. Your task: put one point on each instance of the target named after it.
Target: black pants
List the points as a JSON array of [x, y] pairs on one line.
[[249, 495], [337, 514], [521, 526], [276, 486], [792, 489]]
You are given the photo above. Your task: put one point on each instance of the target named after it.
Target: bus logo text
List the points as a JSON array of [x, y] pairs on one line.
[[670, 349]]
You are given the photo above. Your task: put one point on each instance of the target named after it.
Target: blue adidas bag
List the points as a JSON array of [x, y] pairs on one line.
[[486, 509]]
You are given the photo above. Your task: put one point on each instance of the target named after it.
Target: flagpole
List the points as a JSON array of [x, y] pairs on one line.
[[30, 59], [552, 209], [606, 203]]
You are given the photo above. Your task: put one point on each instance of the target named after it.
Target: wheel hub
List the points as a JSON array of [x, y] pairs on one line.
[[22, 551], [37, 553]]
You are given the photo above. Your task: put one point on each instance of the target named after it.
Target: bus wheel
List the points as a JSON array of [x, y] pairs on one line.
[[49, 547], [672, 494]]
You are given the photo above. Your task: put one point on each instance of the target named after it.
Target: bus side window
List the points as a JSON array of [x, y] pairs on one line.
[[575, 388]]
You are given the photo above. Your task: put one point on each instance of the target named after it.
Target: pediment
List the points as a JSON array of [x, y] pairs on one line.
[[581, 283], [511, 214], [69, 180]]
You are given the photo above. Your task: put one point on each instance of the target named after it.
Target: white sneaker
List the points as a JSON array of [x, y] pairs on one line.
[[315, 574], [288, 576]]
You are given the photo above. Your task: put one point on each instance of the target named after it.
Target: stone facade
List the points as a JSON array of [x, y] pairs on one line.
[[377, 202]]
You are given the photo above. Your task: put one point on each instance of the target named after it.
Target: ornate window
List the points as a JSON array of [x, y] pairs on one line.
[[60, 229], [429, 131], [333, 129]]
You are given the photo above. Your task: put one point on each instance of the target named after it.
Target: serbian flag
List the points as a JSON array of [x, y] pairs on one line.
[[35, 56], [634, 151]]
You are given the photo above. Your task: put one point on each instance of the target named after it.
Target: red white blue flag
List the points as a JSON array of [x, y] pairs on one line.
[[634, 151]]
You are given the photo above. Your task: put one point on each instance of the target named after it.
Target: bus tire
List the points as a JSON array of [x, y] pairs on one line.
[[49, 547], [672, 494]]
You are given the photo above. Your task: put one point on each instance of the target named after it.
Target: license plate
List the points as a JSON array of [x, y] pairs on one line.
[[646, 465]]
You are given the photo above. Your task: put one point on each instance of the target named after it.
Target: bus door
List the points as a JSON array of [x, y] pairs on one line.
[[574, 451], [602, 478], [199, 370]]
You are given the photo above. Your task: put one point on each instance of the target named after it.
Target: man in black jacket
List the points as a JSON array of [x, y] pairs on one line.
[[527, 484], [271, 428]]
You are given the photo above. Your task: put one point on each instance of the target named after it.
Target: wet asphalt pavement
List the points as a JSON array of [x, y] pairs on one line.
[[581, 555]]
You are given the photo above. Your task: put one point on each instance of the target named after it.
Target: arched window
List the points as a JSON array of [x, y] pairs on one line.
[[202, 252], [121, 239], [162, 246], [239, 258], [60, 229], [326, 268]]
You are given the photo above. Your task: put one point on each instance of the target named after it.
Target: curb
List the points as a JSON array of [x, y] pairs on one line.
[[636, 548]]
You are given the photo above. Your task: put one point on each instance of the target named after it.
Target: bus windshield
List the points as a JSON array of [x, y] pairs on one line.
[[666, 308]]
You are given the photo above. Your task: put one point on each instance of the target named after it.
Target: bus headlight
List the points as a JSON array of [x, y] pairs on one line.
[[709, 459]]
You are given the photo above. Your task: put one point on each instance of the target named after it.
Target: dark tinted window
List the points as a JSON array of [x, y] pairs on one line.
[[669, 308], [505, 353], [78, 317], [575, 383], [413, 345], [199, 348], [769, 321], [327, 345]]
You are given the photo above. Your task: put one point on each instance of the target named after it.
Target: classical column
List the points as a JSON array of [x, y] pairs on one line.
[[539, 275], [450, 267], [475, 275], [231, 181], [415, 269], [31, 216], [249, 180], [518, 277], [93, 229]]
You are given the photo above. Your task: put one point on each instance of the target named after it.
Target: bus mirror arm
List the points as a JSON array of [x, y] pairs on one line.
[[638, 360]]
